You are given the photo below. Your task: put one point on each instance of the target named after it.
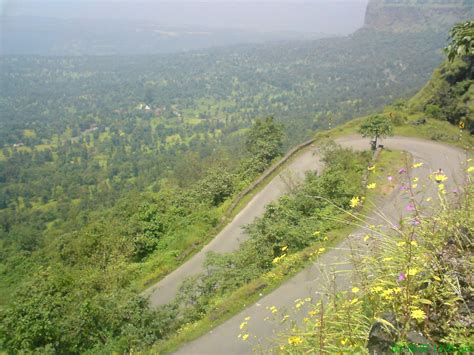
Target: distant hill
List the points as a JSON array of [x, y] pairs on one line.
[[152, 27], [328, 16], [21, 35], [413, 15]]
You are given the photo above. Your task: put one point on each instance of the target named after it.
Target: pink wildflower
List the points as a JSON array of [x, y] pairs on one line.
[[415, 222], [410, 207]]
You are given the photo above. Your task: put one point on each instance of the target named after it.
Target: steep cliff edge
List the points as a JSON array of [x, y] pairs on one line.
[[415, 15]]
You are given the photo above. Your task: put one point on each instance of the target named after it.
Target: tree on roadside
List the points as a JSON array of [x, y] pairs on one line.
[[376, 127], [264, 140]]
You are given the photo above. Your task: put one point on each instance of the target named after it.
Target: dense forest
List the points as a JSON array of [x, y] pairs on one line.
[[113, 170]]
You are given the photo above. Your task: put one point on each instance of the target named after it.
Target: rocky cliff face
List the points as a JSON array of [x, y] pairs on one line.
[[413, 15]]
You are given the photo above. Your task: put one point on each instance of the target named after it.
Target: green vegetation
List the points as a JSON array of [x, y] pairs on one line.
[[85, 281], [264, 144], [461, 40], [436, 112], [140, 101], [413, 290], [112, 173], [376, 127], [223, 307], [291, 232]]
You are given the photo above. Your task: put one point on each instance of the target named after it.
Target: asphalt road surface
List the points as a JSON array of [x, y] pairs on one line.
[[312, 281]]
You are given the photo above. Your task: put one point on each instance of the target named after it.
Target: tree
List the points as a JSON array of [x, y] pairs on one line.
[[264, 140], [216, 186], [462, 41], [376, 127]]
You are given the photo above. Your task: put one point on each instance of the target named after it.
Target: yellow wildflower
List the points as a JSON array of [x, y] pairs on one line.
[[440, 177], [344, 341], [278, 258], [355, 289], [371, 168], [355, 201], [470, 169], [377, 289], [317, 233], [400, 244], [414, 186], [417, 165], [247, 318], [371, 186], [321, 250], [354, 300], [366, 238], [284, 248], [387, 259], [412, 271], [387, 294], [242, 325], [415, 179], [418, 314], [313, 313], [245, 337], [295, 340], [428, 199]]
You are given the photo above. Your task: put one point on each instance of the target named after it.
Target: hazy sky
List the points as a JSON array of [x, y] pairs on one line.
[[95, 1], [315, 16]]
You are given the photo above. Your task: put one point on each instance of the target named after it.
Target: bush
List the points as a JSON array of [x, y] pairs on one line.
[[216, 187], [433, 111]]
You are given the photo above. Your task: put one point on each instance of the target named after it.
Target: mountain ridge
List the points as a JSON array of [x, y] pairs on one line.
[[415, 15]]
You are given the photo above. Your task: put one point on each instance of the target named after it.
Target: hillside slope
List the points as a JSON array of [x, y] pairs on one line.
[[410, 15], [449, 95]]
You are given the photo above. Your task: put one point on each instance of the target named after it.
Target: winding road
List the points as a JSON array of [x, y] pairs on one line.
[[312, 281]]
